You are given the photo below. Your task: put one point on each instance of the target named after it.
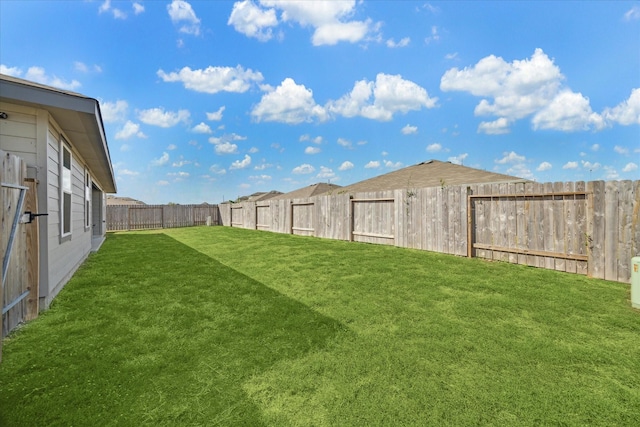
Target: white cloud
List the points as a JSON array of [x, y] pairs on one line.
[[162, 160], [373, 164], [202, 128], [512, 91], [106, 7], [328, 18], [226, 148], [595, 147], [137, 8], [326, 173], [10, 71], [434, 37], [496, 127], [627, 112], [260, 177], [568, 111], [621, 150], [180, 163], [632, 14], [391, 165], [570, 165], [511, 157], [162, 183], [81, 67], [312, 150], [303, 169], [434, 148], [263, 166], [345, 166], [241, 164], [458, 160], [544, 166], [39, 75], [125, 148], [288, 103], [214, 79], [172, 147], [408, 130], [345, 143], [130, 129], [164, 119], [520, 170], [611, 173], [402, 43], [591, 166], [217, 170], [381, 99], [114, 111], [216, 116], [252, 21], [451, 56], [335, 32], [630, 167], [183, 15], [127, 172], [253, 150], [179, 176]]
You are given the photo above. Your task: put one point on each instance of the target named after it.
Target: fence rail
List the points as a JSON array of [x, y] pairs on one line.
[[590, 228], [142, 217]]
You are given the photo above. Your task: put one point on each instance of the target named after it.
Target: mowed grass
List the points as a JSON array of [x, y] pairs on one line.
[[221, 326]]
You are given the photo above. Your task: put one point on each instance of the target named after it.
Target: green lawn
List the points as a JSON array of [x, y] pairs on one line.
[[219, 326]]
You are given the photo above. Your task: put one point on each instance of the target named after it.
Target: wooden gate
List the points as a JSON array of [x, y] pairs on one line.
[[18, 245], [543, 227], [373, 220], [302, 218]]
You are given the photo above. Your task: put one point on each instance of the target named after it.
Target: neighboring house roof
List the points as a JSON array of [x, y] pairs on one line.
[[311, 190], [79, 117], [115, 200], [264, 196], [432, 173]]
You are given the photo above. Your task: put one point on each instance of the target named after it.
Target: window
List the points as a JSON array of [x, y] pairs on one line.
[[65, 189], [87, 199]]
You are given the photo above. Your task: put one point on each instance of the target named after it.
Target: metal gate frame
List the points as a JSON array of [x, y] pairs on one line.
[[7, 253]]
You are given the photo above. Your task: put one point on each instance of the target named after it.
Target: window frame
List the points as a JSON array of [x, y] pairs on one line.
[[66, 189], [87, 199]]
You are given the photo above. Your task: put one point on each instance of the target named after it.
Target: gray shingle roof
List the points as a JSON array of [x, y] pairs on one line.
[[309, 191], [432, 173]]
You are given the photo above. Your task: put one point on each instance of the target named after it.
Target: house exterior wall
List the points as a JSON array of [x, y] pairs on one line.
[[33, 135], [65, 254], [19, 131]]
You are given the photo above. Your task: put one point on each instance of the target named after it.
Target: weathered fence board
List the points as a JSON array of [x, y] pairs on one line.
[[586, 228], [19, 249], [141, 217]]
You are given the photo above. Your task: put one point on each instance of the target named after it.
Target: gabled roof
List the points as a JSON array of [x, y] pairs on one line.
[[115, 200], [79, 117], [432, 173], [311, 190], [264, 196]]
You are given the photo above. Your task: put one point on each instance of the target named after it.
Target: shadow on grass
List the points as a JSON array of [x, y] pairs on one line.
[[150, 331]]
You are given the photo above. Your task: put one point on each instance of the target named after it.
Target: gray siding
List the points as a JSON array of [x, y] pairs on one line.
[[65, 254], [18, 132]]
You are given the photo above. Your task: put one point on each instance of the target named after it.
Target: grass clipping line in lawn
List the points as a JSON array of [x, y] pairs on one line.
[[223, 326]]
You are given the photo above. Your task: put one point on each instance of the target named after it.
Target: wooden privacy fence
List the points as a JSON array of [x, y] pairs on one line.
[[588, 228], [141, 217], [18, 245]]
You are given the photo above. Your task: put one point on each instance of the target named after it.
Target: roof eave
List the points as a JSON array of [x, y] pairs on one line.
[[78, 116]]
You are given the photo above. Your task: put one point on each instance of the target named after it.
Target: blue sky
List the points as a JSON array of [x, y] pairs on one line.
[[209, 100]]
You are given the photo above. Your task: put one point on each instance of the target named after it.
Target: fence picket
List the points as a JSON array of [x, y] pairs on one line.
[[574, 227]]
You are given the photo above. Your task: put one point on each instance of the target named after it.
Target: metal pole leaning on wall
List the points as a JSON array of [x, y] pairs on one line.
[[14, 227]]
